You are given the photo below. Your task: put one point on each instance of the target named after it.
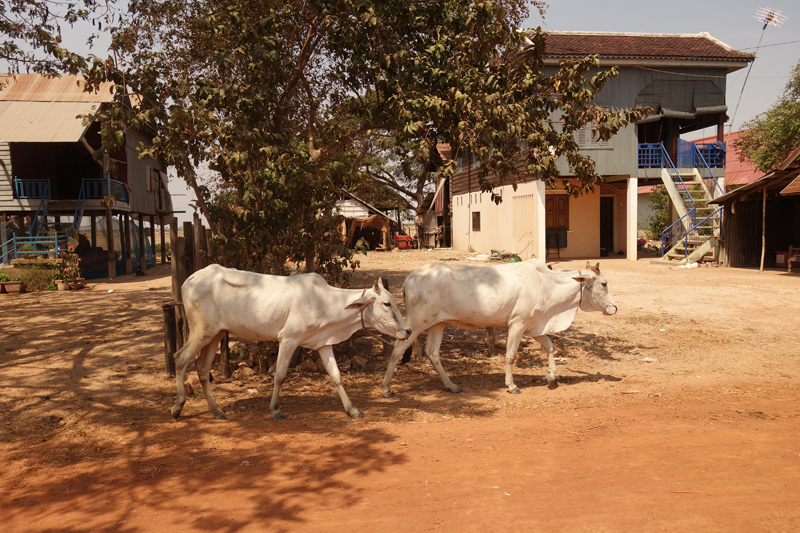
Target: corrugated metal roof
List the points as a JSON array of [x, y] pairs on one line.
[[792, 188], [39, 88], [43, 122]]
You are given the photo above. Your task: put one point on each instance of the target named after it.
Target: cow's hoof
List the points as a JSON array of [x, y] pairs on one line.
[[221, 416], [515, 390], [357, 414], [278, 416], [175, 414], [458, 390], [388, 394]]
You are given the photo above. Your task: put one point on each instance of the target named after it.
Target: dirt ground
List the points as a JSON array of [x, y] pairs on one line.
[[680, 413]]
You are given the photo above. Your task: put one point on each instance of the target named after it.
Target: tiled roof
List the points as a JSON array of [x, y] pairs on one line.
[[736, 172], [700, 46]]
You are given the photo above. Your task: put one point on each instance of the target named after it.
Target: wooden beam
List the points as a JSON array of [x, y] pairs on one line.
[[763, 229]]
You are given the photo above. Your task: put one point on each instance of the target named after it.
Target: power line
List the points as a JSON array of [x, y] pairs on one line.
[[768, 45]]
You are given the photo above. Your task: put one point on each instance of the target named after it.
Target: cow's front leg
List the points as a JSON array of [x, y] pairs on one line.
[[514, 336], [399, 348], [183, 357], [328, 359], [285, 351], [547, 344], [432, 347]]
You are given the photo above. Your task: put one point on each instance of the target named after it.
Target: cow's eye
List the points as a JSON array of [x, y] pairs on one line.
[[605, 285], [387, 304]]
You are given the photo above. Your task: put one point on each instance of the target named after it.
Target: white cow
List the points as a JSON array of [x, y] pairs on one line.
[[526, 298], [296, 311]]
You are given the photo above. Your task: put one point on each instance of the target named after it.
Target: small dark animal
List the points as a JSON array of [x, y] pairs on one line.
[[139, 271]]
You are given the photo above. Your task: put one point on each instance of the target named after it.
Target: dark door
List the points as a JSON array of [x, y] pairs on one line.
[[607, 223]]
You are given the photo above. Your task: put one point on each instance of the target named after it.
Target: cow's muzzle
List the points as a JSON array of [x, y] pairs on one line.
[[403, 334], [610, 310]]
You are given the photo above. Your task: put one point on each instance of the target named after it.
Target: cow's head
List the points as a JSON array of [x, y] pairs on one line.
[[379, 311], [594, 291]]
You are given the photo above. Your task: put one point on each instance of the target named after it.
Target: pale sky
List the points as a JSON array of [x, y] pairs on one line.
[[731, 22]]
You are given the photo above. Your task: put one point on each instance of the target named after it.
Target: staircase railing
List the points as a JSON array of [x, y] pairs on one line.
[[683, 191], [700, 163], [680, 229], [34, 190], [17, 246], [76, 219]]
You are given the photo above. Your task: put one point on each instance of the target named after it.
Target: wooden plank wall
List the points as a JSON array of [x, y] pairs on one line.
[[742, 230]]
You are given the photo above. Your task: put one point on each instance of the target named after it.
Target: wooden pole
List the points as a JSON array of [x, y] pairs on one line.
[[112, 262], [188, 257], [225, 356], [212, 248], [200, 244], [170, 337], [174, 259], [490, 335], [93, 230], [163, 241], [180, 255], [141, 256], [153, 236], [126, 239], [763, 229]]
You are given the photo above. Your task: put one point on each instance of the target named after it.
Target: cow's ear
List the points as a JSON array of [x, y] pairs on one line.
[[582, 279], [361, 303]]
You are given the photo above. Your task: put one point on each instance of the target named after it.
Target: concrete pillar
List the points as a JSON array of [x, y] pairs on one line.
[[539, 223], [631, 211]]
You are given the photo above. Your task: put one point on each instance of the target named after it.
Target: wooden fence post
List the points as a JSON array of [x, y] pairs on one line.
[[170, 337], [490, 335], [188, 252], [200, 244], [225, 356], [174, 259]]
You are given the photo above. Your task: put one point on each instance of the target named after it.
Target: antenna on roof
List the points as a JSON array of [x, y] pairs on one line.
[[770, 17]]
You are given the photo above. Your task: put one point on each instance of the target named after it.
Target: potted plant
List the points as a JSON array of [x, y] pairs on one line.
[[68, 271], [12, 285]]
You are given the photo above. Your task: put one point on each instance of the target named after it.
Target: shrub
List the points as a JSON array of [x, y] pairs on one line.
[[38, 278], [659, 203]]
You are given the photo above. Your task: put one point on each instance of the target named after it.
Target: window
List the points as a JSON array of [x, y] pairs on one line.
[[524, 207], [557, 211], [476, 221]]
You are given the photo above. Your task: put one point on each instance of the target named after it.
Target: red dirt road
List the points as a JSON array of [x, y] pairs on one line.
[[705, 436]]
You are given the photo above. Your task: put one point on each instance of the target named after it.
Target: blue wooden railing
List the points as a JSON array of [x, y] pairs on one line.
[[708, 177], [712, 153], [651, 155], [98, 188], [17, 246], [31, 189], [680, 229]]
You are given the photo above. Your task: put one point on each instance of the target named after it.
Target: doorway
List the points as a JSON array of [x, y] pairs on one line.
[[606, 225]]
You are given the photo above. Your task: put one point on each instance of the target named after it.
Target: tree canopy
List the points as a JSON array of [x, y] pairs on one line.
[[31, 33], [771, 136], [286, 100]]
